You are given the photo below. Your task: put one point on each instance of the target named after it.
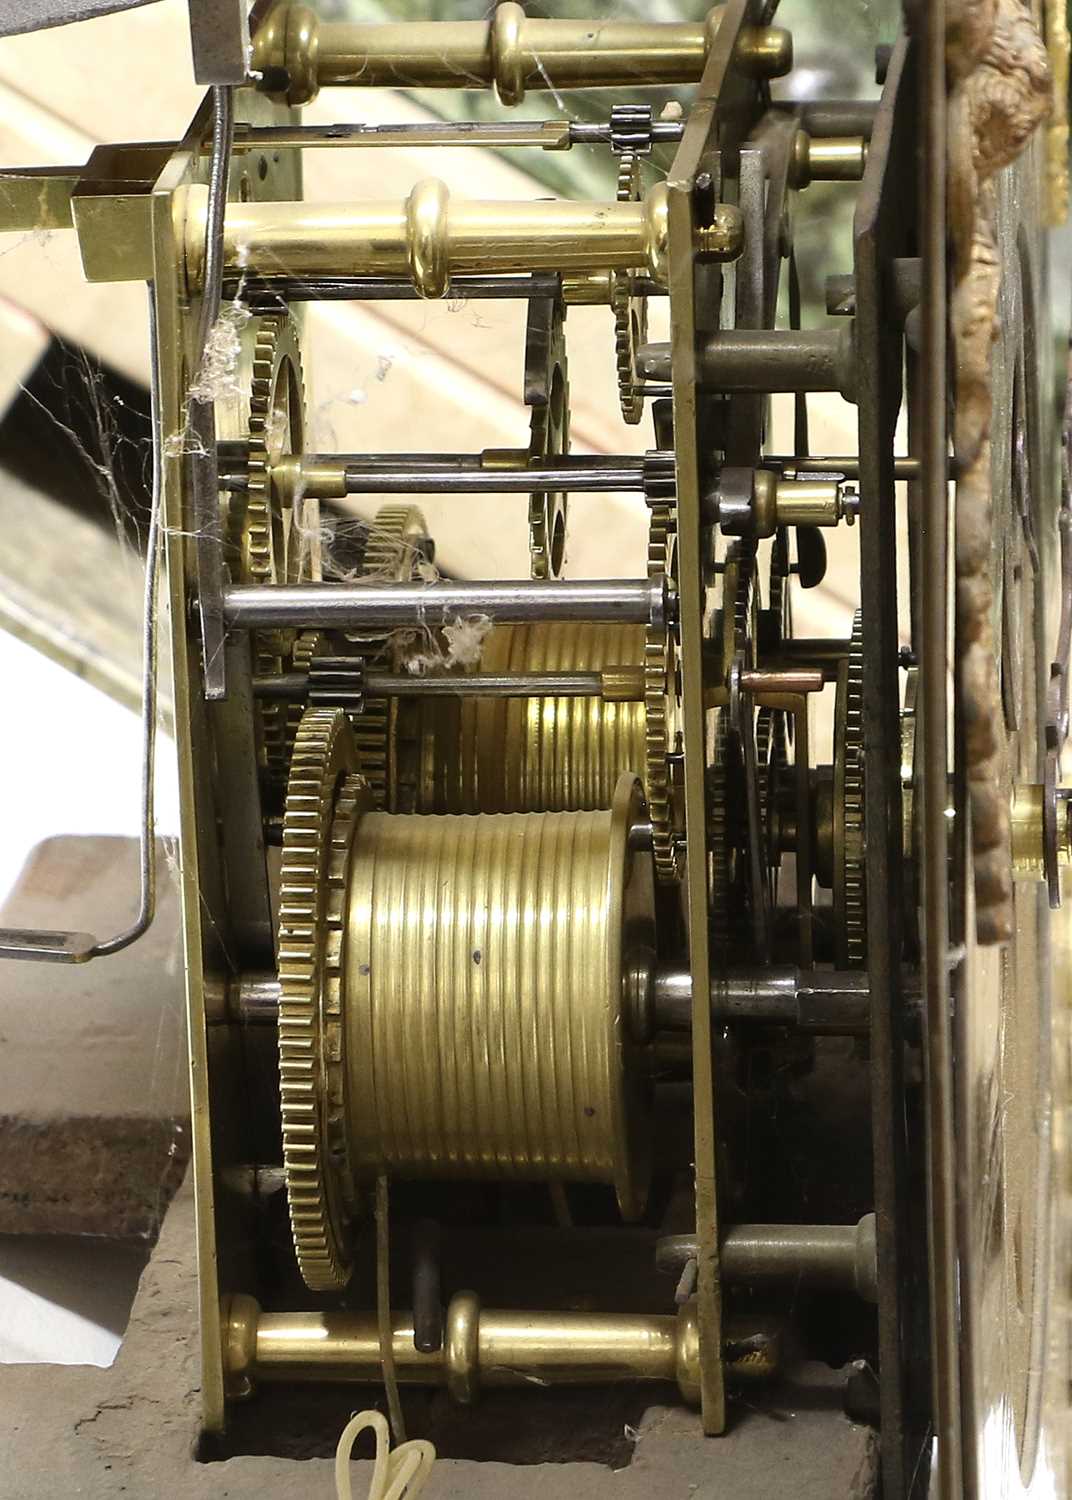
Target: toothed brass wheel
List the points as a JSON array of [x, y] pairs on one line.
[[325, 797], [630, 311], [396, 549], [393, 550], [383, 1058], [662, 707], [850, 904], [727, 792], [265, 543], [547, 397]]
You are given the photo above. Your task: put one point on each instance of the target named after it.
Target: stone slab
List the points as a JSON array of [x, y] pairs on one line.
[[94, 1101]]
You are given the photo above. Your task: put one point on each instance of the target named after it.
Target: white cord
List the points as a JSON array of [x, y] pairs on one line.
[[394, 1474]]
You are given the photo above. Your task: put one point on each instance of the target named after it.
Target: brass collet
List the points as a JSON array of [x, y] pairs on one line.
[[431, 236], [827, 159]]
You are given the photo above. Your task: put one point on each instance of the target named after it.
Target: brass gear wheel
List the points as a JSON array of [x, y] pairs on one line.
[[264, 545], [395, 544], [771, 723], [271, 546], [395, 548], [630, 311], [662, 706], [308, 644], [719, 837], [324, 802], [850, 898], [547, 397], [738, 622]]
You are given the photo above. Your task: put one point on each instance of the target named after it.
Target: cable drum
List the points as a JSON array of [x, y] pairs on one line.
[[484, 1026], [499, 755]]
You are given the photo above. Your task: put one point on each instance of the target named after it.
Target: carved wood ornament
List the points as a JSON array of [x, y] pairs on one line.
[[1000, 93]]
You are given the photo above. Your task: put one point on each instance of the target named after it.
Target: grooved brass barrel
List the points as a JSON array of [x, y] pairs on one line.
[[531, 754], [482, 997], [297, 53]]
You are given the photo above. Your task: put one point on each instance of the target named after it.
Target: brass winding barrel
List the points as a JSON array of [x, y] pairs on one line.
[[530, 754], [483, 1021]]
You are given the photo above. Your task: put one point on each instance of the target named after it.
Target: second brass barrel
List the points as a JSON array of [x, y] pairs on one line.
[[471, 755]]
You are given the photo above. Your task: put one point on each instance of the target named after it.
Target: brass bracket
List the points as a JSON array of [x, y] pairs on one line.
[[108, 202]]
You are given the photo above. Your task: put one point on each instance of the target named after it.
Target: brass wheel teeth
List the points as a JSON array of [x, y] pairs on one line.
[[316, 821], [548, 440], [390, 555], [251, 533], [739, 575], [260, 565], [309, 644], [660, 689], [272, 715], [771, 723], [388, 552], [854, 916], [630, 311], [741, 559], [372, 733], [718, 834]]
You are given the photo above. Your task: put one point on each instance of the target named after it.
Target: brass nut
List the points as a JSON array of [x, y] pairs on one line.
[[724, 238]]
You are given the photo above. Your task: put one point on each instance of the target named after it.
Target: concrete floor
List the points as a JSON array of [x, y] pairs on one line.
[[132, 1429]]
